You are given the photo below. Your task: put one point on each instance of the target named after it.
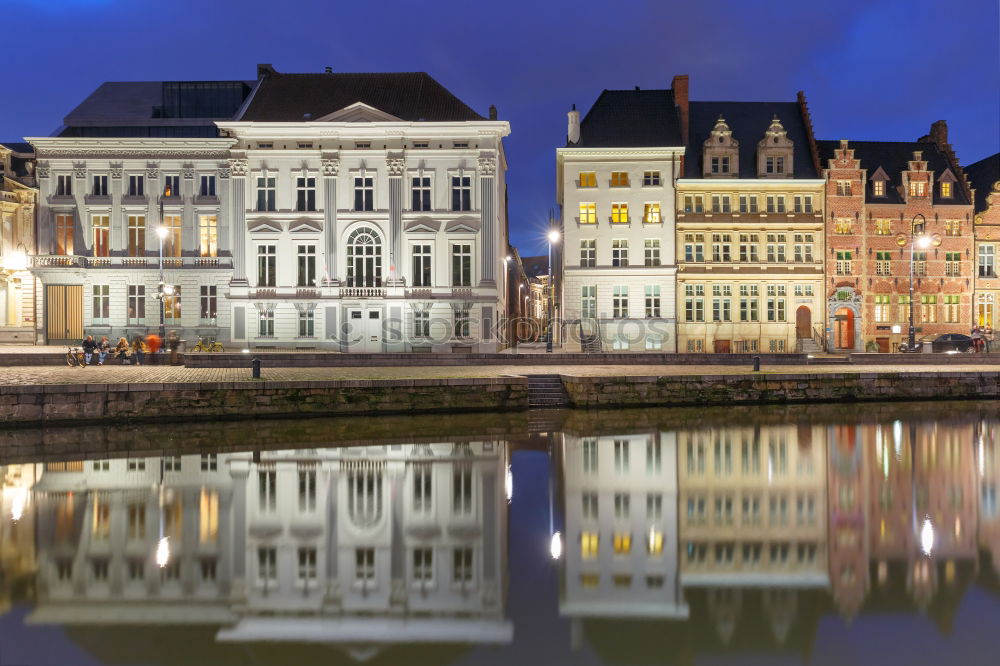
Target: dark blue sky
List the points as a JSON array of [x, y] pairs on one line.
[[871, 69]]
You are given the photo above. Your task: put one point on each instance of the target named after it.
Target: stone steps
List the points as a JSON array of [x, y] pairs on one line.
[[545, 391]]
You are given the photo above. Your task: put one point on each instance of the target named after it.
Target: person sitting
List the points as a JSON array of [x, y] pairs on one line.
[[103, 349], [122, 350], [88, 349], [138, 349]]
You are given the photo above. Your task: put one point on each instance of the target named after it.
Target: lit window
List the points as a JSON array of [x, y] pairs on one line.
[[651, 214], [619, 179], [883, 227], [878, 188], [619, 213], [918, 188], [588, 179], [946, 190], [589, 545], [622, 543], [588, 213]]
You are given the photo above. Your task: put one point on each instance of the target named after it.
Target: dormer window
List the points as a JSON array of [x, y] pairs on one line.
[[774, 165], [775, 152], [720, 165], [946, 190], [878, 188], [918, 188]]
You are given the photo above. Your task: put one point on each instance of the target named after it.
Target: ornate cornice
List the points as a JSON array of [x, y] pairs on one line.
[[120, 153]]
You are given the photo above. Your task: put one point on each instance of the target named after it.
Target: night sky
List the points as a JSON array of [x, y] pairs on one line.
[[871, 69]]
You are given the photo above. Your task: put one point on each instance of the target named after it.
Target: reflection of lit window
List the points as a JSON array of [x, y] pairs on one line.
[[622, 580], [136, 522], [588, 545], [589, 580], [208, 521], [655, 543], [623, 543], [102, 520]]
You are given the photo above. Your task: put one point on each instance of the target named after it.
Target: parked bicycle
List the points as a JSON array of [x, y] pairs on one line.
[[209, 345], [74, 357]]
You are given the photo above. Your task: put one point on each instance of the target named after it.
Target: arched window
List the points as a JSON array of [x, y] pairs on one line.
[[364, 258]]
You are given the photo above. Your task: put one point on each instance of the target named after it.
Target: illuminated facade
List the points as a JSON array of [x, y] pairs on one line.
[[615, 186], [750, 230], [881, 197], [18, 204], [984, 178]]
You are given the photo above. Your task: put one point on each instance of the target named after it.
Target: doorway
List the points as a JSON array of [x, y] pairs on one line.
[[803, 323], [365, 330], [843, 331], [63, 313], [722, 346]]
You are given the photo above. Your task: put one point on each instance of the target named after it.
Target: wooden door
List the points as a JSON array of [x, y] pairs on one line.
[[64, 312], [722, 346], [844, 331], [803, 323]]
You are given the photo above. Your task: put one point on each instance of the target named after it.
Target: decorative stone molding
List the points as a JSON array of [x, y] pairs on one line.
[[239, 167], [331, 167], [117, 170], [152, 172], [395, 165], [187, 171], [42, 171], [224, 173], [487, 166], [105, 153], [80, 170]]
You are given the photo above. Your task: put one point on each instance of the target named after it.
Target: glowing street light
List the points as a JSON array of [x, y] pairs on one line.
[[553, 237]]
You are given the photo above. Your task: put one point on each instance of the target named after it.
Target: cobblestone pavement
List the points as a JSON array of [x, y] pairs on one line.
[[117, 374]]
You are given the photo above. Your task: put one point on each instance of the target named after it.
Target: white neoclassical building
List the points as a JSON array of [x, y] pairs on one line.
[[351, 212], [369, 215], [615, 181]]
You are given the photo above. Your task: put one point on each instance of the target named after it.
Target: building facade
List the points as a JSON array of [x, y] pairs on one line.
[[333, 211], [18, 205], [882, 197], [749, 230], [984, 178], [615, 188]]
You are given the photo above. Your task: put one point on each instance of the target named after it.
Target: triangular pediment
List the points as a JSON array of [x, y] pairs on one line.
[[425, 224], [305, 225], [880, 174], [264, 226], [359, 112], [947, 177], [466, 224]]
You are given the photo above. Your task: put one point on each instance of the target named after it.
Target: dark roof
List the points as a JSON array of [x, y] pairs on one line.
[[982, 175], [893, 157], [535, 266], [410, 96], [18, 147], [748, 121], [631, 119]]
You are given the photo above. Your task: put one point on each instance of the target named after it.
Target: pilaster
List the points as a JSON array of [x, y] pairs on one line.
[[394, 166], [238, 169], [331, 169], [487, 244]]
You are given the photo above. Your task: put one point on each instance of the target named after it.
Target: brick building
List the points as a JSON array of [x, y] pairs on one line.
[[984, 178], [881, 197]]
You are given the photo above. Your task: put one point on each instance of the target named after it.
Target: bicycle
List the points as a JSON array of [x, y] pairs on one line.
[[210, 346], [74, 357]]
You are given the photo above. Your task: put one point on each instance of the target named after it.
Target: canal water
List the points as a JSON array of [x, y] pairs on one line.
[[860, 534]]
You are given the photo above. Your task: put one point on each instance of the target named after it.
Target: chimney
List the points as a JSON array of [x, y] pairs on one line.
[[493, 112], [680, 87], [939, 133], [573, 128], [328, 70], [265, 69]]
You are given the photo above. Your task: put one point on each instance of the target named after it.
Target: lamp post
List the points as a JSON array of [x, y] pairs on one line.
[[923, 241], [162, 232], [553, 239]]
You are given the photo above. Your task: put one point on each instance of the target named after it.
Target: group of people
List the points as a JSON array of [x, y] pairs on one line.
[[141, 350], [982, 338]]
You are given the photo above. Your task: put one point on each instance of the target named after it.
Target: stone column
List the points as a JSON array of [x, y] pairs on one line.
[[239, 222], [394, 165], [487, 217], [118, 244], [190, 241], [331, 169], [154, 214], [224, 221]]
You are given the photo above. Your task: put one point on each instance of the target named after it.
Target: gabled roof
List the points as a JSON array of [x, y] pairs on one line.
[[748, 121], [409, 96], [982, 175], [893, 157], [631, 119], [21, 147]]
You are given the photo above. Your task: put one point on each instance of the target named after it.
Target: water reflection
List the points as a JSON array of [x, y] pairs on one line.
[[716, 531]]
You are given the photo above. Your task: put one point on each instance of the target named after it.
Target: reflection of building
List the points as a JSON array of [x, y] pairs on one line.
[[750, 230], [984, 178], [18, 564], [364, 547], [18, 201], [620, 504], [878, 195]]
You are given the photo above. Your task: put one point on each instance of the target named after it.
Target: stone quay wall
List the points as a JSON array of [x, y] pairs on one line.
[[703, 390], [71, 404]]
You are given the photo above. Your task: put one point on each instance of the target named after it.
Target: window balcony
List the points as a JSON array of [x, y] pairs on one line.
[[618, 220]]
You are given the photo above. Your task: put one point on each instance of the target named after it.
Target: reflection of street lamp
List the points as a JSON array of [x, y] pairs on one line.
[[163, 545], [553, 239]]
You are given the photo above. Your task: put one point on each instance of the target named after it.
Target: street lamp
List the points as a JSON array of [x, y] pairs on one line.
[[162, 232], [553, 239], [923, 241]]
